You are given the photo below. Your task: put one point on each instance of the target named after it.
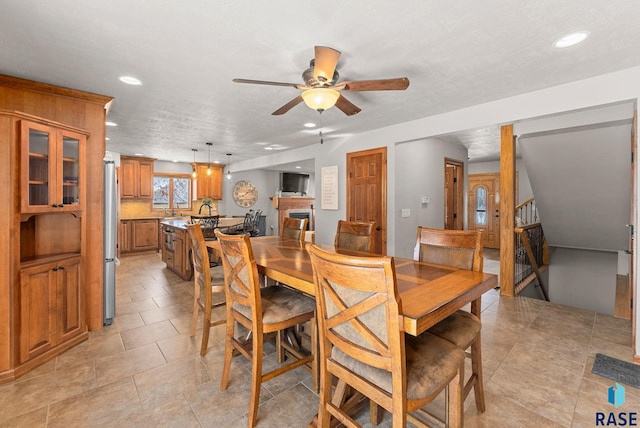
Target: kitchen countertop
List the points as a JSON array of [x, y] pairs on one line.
[[180, 224], [223, 222]]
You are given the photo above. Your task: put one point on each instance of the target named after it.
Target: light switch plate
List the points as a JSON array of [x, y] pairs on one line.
[[425, 200], [406, 212]]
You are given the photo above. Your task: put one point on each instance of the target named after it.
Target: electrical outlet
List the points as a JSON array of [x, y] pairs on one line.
[[406, 212]]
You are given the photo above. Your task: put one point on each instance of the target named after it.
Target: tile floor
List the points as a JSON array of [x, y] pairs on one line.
[[145, 370]]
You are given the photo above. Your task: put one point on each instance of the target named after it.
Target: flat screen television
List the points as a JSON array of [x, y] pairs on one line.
[[291, 182]]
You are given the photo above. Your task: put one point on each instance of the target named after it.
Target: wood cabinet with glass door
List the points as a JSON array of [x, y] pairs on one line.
[[52, 169]]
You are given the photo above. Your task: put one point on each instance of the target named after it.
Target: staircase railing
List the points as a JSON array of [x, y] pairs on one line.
[[527, 212], [531, 249]]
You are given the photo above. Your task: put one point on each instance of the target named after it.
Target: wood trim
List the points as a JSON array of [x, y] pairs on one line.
[[44, 88], [507, 212]]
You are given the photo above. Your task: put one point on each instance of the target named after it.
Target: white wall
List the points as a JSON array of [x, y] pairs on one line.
[[419, 171], [583, 279]]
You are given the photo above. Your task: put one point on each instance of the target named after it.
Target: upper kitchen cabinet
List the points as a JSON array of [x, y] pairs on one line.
[[136, 181], [53, 167], [208, 185]]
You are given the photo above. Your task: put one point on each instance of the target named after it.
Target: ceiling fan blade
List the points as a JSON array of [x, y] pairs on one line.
[[288, 106], [265, 82], [347, 106], [325, 63], [398, 84]]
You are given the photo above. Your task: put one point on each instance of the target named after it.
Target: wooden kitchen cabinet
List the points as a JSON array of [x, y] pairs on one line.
[[208, 186], [136, 178], [138, 235], [51, 305], [176, 251], [52, 167], [52, 144]]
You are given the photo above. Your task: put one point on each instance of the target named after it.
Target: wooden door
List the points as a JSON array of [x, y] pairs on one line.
[[145, 179], [38, 317], [367, 191], [144, 235], [483, 208], [70, 299], [453, 192], [129, 179]]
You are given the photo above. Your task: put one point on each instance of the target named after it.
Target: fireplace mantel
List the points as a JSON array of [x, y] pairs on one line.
[[296, 203]]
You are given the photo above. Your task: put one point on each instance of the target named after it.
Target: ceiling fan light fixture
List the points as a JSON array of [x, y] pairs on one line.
[[320, 98]]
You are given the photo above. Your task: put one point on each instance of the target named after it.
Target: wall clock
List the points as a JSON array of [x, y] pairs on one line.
[[245, 193]]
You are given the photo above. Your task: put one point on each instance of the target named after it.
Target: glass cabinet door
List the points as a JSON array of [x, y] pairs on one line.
[[70, 170], [38, 166], [52, 169]]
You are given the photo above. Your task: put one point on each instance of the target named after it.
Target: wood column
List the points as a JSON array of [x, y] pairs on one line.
[[507, 208]]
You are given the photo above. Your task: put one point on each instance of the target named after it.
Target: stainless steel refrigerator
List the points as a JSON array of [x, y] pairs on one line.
[[110, 238]]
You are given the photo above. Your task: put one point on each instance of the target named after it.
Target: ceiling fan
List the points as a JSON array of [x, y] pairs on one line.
[[321, 89]]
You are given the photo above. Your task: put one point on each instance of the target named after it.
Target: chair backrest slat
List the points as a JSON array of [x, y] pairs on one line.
[[294, 228], [456, 248], [200, 258], [242, 286], [355, 235]]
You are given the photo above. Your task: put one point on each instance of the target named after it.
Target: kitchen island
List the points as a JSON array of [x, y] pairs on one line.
[[175, 245]]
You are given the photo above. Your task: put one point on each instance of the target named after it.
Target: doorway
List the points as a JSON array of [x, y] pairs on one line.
[[367, 191], [453, 192], [484, 204]]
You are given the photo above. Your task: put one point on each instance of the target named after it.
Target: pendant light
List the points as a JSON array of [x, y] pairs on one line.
[[229, 167], [209, 163], [194, 174]]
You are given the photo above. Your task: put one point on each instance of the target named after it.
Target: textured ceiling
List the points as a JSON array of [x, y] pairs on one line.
[[455, 54]]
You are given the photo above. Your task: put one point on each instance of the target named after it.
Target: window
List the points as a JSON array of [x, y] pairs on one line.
[[481, 205], [171, 192]]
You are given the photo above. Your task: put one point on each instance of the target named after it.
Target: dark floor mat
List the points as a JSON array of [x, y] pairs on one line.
[[618, 370]]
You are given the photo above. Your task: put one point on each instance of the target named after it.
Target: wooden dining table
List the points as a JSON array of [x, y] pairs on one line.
[[429, 293]]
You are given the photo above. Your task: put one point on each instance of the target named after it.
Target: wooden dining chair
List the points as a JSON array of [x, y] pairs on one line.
[[208, 285], [294, 228], [355, 235], [461, 249], [261, 310], [363, 344]]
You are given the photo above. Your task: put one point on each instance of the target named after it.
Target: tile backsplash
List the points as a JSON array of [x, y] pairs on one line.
[[142, 209]]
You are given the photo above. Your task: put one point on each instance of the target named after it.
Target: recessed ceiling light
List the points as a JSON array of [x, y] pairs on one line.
[[268, 148], [571, 39], [279, 148], [138, 154], [216, 161], [298, 167], [174, 161], [111, 124], [309, 125], [130, 80], [261, 144]]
